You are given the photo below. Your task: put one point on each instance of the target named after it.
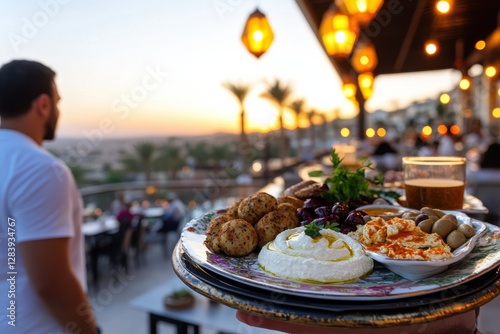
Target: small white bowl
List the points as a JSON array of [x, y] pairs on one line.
[[415, 270]]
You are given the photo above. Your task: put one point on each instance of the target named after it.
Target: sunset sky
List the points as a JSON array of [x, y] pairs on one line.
[[157, 67]]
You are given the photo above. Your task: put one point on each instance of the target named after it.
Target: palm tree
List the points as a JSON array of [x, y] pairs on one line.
[[298, 108], [145, 152], [324, 128], [279, 93], [240, 91], [170, 159], [311, 115]]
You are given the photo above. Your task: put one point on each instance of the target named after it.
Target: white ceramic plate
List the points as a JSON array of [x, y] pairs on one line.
[[415, 270]]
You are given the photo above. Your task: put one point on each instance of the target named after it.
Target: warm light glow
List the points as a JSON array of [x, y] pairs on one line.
[[480, 45], [370, 133], [381, 132], [498, 91], [475, 70], [490, 71], [257, 166], [464, 84], [338, 33], [363, 11], [431, 47], [150, 190], [496, 113], [445, 98], [442, 129], [257, 35], [427, 130], [349, 90], [443, 6], [455, 129], [364, 58], [365, 81], [345, 132]]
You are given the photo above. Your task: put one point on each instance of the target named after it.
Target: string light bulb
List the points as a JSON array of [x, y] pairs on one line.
[[480, 45], [431, 47], [490, 71], [464, 83], [443, 6]]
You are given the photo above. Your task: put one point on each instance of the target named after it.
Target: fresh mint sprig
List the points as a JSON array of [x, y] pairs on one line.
[[313, 229]]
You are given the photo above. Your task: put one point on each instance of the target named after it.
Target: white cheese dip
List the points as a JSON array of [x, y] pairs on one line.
[[330, 258]]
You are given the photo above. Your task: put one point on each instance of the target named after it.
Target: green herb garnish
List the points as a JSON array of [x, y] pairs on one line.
[[332, 226], [313, 229], [350, 186]]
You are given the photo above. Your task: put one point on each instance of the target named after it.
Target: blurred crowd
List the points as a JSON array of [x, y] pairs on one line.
[[481, 147]]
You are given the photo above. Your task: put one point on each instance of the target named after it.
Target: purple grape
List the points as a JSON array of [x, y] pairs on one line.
[[341, 209], [354, 218], [334, 218], [305, 214], [322, 211], [346, 229], [304, 222], [313, 203], [421, 217], [321, 221]]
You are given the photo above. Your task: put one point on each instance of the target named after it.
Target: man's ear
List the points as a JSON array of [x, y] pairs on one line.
[[42, 105]]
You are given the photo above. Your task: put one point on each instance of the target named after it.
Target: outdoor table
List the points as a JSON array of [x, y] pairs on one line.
[[203, 314], [93, 231], [95, 228]]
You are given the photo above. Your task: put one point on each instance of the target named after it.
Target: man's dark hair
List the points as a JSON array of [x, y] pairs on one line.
[[21, 82]]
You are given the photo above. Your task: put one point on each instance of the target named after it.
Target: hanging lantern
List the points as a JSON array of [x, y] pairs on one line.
[[257, 35], [363, 11], [364, 58], [338, 32], [365, 81]]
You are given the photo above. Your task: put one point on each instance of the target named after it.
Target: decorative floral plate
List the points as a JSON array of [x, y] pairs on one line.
[[380, 284]]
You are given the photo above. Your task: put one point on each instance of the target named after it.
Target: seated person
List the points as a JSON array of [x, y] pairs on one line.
[[491, 157], [125, 216], [173, 216]]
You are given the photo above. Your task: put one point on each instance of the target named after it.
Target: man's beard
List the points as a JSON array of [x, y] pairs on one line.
[[50, 126]]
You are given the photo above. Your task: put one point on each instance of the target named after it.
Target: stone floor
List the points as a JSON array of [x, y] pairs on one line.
[[115, 316]]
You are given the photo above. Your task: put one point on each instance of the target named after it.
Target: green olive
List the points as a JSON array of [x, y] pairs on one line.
[[426, 225], [455, 239], [443, 227], [451, 217], [467, 230], [428, 211], [434, 218], [439, 213]]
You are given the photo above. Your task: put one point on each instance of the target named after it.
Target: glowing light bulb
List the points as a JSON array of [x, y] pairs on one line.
[[443, 6]]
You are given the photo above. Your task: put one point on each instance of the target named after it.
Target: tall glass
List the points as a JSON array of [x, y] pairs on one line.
[[436, 182]]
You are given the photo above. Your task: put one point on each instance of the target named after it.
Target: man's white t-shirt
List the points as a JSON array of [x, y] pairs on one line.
[[39, 200]]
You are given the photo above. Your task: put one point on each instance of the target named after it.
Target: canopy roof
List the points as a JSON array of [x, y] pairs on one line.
[[402, 27]]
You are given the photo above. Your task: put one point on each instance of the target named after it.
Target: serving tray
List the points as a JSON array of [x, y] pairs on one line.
[[380, 284]]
